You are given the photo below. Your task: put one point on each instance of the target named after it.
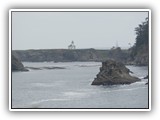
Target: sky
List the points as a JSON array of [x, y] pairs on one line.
[[56, 30]]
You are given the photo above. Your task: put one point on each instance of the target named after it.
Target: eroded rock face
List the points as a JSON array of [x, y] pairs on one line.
[[112, 73], [17, 65]]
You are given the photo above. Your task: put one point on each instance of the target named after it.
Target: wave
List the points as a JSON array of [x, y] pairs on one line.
[[88, 65], [75, 94], [48, 100], [44, 68], [40, 103], [43, 84], [123, 89], [142, 82]]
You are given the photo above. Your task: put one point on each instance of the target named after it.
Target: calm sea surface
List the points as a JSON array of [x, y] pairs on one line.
[[71, 87]]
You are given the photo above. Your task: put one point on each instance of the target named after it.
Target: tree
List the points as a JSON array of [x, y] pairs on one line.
[[142, 32], [139, 52]]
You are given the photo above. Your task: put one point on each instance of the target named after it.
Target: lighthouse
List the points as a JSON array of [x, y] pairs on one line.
[[71, 46]]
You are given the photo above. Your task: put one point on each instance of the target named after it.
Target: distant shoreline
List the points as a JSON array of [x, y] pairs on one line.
[[70, 55]]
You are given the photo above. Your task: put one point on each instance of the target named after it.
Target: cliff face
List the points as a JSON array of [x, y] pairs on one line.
[[132, 56], [142, 56], [57, 55], [17, 65], [112, 73], [65, 55]]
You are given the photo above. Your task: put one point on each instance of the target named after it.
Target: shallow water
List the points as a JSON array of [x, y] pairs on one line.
[[71, 87]]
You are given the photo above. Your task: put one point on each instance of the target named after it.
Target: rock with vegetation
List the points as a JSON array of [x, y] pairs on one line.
[[17, 65], [140, 51], [113, 73]]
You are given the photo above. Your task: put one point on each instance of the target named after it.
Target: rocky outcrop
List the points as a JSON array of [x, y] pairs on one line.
[[146, 83], [147, 77], [140, 56], [112, 73], [17, 65]]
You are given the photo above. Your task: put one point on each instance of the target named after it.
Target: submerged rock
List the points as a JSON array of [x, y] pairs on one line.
[[17, 65], [112, 73]]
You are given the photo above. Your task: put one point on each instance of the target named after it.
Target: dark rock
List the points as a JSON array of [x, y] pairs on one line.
[[146, 77], [146, 83], [17, 65], [112, 73]]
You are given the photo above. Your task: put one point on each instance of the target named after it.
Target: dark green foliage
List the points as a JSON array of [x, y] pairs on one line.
[[139, 52], [142, 38], [142, 33]]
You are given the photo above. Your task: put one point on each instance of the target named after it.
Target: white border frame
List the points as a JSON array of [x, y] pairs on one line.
[[76, 10]]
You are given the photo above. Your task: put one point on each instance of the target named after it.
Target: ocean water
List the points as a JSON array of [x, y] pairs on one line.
[[71, 87]]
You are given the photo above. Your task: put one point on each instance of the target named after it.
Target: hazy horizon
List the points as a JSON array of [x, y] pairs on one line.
[[56, 30]]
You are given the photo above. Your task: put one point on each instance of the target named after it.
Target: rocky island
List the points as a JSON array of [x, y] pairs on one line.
[[113, 73]]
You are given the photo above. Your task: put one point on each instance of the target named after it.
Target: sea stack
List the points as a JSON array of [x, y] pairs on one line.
[[113, 73]]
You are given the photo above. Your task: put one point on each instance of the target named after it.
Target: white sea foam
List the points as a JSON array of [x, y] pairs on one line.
[[40, 103], [75, 94], [43, 84]]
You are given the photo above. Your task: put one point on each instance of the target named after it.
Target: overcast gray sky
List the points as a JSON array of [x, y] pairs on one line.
[[52, 30]]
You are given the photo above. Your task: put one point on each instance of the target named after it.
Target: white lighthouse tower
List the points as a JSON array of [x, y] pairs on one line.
[[72, 46]]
